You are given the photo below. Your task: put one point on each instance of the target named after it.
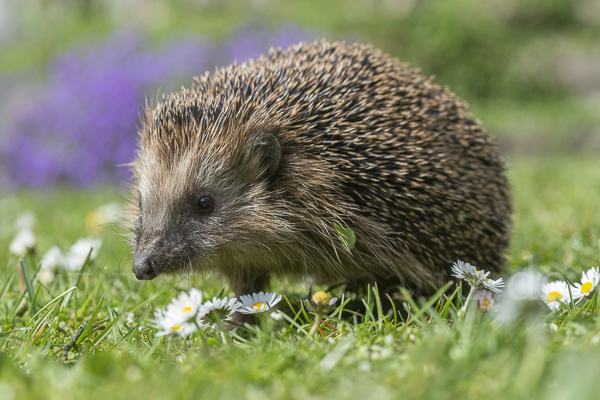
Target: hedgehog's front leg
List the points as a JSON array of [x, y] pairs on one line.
[[245, 282]]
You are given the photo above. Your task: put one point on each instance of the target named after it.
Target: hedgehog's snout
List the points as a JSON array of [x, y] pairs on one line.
[[144, 267]]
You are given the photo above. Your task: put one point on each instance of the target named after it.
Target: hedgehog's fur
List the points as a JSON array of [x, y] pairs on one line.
[[322, 133]]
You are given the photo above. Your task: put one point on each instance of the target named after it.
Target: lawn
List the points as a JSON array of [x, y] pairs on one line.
[[432, 353]]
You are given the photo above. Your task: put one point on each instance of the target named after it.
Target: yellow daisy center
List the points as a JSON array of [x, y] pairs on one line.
[[259, 305], [187, 309], [586, 287], [321, 298], [482, 273], [176, 328], [553, 296]]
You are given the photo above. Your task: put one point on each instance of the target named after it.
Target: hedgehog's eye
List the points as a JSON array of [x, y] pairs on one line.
[[205, 203]]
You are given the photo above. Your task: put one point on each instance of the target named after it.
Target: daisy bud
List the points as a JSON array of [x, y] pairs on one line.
[[320, 303], [321, 298]]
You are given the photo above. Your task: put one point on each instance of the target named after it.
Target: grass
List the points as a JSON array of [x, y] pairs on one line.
[[557, 225]]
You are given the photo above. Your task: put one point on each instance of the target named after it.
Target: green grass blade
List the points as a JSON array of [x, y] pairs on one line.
[[49, 304], [106, 331], [88, 327], [419, 311], [380, 316], [369, 313], [28, 284], [78, 279], [339, 309], [289, 304], [396, 321], [446, 308], [7, 284], [133, 331], [294, 323], [17, 306]]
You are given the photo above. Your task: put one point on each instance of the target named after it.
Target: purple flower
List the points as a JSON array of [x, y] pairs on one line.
[[81, 122]]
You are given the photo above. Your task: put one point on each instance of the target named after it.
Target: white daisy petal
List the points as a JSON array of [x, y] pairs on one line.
[[185, 307], [24, 241], [52, 259], [555, 293], [276, 315], [247, 299], [258, 302], [79, 251], [25, 220], [215, 309], [589, 281], [275, 300], [170, 326], [478, 279]]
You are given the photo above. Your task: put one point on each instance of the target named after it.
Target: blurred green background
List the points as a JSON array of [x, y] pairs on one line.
[[530, 69]]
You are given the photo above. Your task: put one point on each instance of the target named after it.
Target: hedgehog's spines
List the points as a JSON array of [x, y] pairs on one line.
[[365, 142]]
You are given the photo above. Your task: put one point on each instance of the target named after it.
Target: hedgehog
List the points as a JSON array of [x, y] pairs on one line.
[[248, 172]]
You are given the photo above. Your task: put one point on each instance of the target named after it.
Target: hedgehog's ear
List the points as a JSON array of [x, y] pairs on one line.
[[267, 151]]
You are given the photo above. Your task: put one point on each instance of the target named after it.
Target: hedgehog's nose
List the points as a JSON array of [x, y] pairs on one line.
[[144, 267]]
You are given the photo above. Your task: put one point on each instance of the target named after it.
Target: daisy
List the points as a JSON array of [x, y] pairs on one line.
[[186, 306], [25, 220], [216, 310], [554, 293], [258, 302], [589, 281], [167, 325], [23, 242], [477, 279], [105, 214], [486, 301], [50, 263], [319, 305], [320, 302], [52, 259], [521, 297], [276, 315], [79, 252], [323, 298]]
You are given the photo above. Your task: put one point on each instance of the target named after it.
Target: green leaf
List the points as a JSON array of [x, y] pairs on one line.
[[346, 236]]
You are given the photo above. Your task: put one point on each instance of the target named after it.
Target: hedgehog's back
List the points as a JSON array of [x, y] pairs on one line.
[[401, 152], [411, 156]]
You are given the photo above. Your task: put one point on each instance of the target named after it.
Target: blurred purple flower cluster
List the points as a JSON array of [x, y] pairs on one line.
[[81, 122]]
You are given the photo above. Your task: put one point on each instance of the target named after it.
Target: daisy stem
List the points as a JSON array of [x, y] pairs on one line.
[[204, 344], [224, 332], [468, 302], [259, 322], [169, 342], [318, 319]]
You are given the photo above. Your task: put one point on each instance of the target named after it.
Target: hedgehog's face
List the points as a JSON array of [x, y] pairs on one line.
[[211, 205]]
